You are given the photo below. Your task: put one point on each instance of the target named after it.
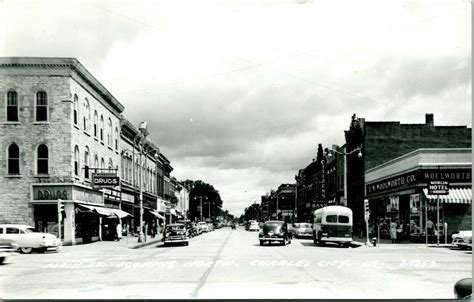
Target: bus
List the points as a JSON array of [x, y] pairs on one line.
[[333, 224]]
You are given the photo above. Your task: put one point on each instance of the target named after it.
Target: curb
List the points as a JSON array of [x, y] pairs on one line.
[[137, 246]]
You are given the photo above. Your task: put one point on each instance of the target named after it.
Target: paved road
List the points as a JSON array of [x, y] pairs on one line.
[[232, 264]]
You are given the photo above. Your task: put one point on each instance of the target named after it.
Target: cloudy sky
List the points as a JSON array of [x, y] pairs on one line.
[[240, 93]]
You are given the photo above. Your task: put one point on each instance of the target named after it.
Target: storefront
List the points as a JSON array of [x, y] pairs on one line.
[[397, 191], [85, 217]]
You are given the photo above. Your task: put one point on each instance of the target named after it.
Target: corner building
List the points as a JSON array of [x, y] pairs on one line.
[[57, 122]]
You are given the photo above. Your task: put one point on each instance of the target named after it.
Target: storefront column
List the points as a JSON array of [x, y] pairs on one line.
[[69, 224]]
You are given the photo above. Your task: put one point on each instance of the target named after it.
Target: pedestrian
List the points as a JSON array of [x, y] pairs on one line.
[[360, 228], [393, 231], [153, 229], [430, 229], [119, 231], [399, 232]]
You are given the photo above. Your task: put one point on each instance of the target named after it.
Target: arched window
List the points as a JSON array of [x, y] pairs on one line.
[[96, 161], [86, 118], [116, 138], [96, 120], [12, 106], [76, 109], [111, 164], [86, 163], [76, 161], [102, 163], [109, 132], [13, 159], [101, 128], [130, 164], [41, 106], [42, 157]]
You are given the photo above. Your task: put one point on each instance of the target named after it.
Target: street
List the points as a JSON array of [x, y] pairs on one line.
[[230, 264]]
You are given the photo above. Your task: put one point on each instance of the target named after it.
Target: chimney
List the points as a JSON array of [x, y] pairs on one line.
[[429, 119]]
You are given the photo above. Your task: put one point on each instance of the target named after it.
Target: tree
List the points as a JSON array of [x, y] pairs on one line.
[[210, 197]]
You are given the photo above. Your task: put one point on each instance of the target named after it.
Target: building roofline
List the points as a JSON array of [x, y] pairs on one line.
[[71, 63]]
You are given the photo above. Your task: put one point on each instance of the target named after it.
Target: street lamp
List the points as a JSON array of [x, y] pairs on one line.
[[200, 199], [141, 144], [345, 154]]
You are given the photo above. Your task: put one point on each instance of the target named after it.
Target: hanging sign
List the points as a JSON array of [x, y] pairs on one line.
[[438, 187]]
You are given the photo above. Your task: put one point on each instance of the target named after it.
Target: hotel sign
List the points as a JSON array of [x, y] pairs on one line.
[[438, 187], [424, 176]]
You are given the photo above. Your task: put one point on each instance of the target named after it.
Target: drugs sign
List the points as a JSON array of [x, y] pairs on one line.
[[105, 180], [438, 187]]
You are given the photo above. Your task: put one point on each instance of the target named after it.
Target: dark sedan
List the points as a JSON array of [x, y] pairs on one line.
[[275, 231], [175, 233]]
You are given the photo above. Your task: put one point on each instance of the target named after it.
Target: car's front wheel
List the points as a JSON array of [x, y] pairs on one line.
[[26, 250]]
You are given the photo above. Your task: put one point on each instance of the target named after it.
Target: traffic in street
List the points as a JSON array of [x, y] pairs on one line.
[[227, 263]]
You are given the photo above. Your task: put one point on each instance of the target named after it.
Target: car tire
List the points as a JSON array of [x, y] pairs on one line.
[[2, 259], [262, 243], [26, 250]]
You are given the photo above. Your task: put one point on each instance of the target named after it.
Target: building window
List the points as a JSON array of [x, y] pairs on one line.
[[86, 117], [109, 132], [86, 163], [101, 128], [116, 138], [13, 159], [41, 106], [76, 161], [102, 163], [12, 106], [76, 109], [96, 120], [42, 159], [96, 162], [111, 165]]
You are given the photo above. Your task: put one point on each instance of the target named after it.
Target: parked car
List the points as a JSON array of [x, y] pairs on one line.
[[7, 247], [275, 231], [253, 226], [189, 227], [28, 239], [302, 229], [202, 225], [459, 237], [175, 233]]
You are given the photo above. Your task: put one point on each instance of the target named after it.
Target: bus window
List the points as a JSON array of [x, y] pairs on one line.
[[318, 218], [331, 218], [343, 219]]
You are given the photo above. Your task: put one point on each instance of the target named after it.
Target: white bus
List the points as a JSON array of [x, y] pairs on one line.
[[333, 224]]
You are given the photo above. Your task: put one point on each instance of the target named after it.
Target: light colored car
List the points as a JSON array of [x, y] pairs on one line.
[[7, 247], [254, 226], [28, 239], [203, 226], [301, 229], [461, 237]]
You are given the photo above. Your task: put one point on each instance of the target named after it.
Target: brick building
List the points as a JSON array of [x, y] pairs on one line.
[[383, 141]]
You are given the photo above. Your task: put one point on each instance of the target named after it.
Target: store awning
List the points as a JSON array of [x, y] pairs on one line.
[[120, 213], [100, 210], [155, 213], [456, 195]]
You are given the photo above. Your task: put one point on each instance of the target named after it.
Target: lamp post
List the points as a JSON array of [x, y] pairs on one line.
[[141, 145], [345, 154]]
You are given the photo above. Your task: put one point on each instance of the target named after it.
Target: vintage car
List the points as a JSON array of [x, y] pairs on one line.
[[175, 233], [274, 231], [254, 226], [28, 239], [460, 237], [463, 289], [7, 248], [301, 230], [203, 227], [190, 227]]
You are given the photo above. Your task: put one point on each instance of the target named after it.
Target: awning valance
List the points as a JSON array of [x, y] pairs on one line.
[[155, 213], [99, 210], [456, 195]]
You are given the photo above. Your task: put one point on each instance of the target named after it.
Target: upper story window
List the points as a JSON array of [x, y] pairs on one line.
[[41, 106], [86, 117], [42, 158], [13, 159], [109, 132], [116, 138], [102, 163], [111, 164], [96, 162], [76, 161], [96, 120], [12, 106], [86, 163], [76, 109], [101, 128]]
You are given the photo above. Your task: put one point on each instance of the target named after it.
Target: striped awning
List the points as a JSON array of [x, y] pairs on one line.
[[456, 195], [120, 213]]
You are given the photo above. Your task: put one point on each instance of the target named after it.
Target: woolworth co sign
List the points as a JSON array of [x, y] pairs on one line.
[[105, 180]]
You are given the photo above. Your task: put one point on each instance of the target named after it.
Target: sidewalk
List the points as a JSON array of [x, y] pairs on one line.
[[127, 242]]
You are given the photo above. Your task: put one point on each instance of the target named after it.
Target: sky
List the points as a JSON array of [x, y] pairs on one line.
[[240, 93]]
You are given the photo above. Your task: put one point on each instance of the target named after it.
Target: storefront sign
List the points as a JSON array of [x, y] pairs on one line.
[[105, 180], [438, 187], [51, 193], [419, 177]]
